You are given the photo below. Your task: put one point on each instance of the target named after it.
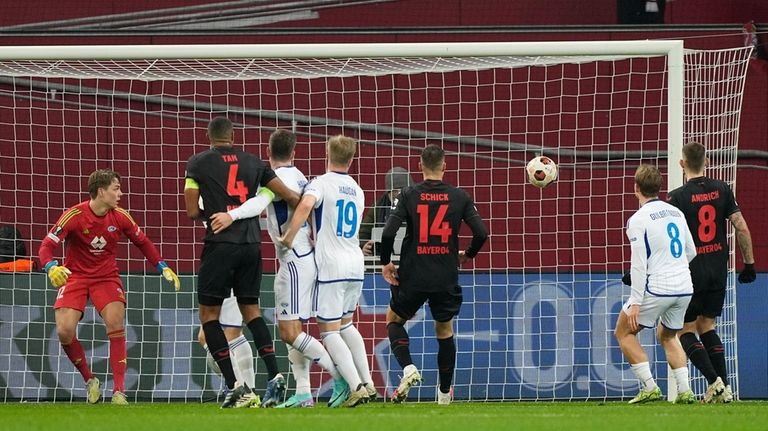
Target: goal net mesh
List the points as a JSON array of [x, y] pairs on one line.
[[541, 299]]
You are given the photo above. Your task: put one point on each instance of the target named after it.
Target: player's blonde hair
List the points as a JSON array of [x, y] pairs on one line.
[[341, 149], [101, 179], [648, 180]]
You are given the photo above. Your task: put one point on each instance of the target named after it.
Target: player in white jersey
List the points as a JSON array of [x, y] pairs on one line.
[[662, 247], [295, 282], [338, 203]]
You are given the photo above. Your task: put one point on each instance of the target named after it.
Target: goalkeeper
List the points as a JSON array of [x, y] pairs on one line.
[[91, 230]]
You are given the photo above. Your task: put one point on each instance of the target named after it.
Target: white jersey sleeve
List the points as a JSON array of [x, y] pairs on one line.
[[337, 216], [253, 206], [279, 214], [662, 246]]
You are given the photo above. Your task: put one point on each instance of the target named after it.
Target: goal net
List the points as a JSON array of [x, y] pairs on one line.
[[541, 299]]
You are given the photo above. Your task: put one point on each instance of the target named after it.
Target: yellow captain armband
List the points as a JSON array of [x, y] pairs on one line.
[[190, 183], [266, 192]]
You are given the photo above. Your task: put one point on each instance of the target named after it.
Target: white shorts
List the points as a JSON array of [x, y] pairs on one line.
[[296, 289], [670, 309], [338, 299], [230, 313]]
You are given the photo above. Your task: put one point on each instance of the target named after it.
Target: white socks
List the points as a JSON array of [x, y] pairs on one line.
[[681, 378], [643, 373], [314, 350], [342, 357], [241, 353], [356, 345], [300, 367]]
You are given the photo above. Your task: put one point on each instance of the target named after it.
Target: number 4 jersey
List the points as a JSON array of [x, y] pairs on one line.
[[227, 177], [338, 212], [707, 203]]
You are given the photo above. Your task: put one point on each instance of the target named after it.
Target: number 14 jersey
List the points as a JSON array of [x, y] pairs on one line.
[[433, 211]]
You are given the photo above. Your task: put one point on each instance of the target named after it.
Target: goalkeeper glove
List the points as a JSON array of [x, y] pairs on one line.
[[169, 275], [57, 274], [627, 279], [747, 275]]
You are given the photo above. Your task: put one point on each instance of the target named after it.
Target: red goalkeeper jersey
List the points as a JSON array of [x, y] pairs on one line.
[[90, 241]]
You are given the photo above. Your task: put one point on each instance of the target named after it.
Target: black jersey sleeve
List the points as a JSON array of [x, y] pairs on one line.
[[672, 197], [731, 206], [475, 222], [192, 168], [268, 175]]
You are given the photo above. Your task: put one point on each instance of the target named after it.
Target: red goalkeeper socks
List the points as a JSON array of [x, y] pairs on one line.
[[76, 354], [118, 359]]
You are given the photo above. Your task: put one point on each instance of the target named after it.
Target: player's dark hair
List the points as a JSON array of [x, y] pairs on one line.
[[220, 129], [648, 180], [101, 179], [432, 157], [281, 144], [695, 155]]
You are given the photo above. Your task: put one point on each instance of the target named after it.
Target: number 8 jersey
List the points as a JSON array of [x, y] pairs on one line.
[[662, 246], [707, 203], [338, 212]]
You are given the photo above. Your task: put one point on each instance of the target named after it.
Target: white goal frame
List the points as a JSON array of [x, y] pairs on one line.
[[672, 49]]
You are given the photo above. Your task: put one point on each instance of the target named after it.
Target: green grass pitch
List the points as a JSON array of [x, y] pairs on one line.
[[567, 416]]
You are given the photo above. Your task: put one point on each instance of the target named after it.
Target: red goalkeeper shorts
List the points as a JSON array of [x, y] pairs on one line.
[[75, 293]]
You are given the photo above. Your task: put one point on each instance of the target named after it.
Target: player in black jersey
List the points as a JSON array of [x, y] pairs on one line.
[[707, 205], [429, 262], [225, 177]]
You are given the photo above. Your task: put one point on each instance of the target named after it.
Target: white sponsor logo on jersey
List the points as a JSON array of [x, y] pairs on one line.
[[99, 243]]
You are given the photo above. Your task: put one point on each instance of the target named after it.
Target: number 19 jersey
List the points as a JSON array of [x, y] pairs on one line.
[[336, 225]]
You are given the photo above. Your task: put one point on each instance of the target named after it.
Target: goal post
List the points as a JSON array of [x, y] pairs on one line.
[[541, 299], [671, 48]]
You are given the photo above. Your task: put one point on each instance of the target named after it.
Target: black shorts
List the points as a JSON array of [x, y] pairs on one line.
[[227, 267], [708, 303], [709, 281], [709, 275], [443, 305]]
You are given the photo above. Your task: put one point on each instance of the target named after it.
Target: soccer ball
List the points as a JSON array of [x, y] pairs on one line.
[[542, 171]]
